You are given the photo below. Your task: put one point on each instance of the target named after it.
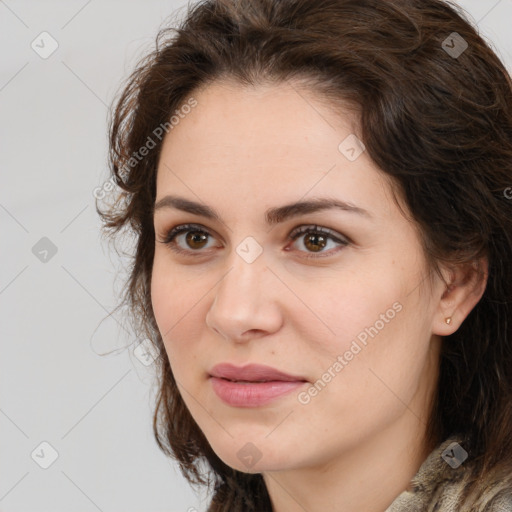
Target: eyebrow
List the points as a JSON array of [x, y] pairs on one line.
[[272, 215]]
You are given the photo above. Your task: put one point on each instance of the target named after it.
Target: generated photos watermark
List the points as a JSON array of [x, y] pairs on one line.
[[158, 133], [305, 397], [454, 455]]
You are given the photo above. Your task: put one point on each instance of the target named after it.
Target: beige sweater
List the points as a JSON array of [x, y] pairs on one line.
[[440, 481]]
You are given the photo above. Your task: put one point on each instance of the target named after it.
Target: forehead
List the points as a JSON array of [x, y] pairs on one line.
[[273, 140], [281, 118]]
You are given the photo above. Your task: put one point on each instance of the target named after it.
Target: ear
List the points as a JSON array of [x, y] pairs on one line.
[[466, 285]]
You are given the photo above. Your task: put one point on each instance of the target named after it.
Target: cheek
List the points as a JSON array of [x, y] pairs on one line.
[[340, 309], [383, 355], [171, 297], [168, 307], [162, 299], [176, 307], [371, 322]]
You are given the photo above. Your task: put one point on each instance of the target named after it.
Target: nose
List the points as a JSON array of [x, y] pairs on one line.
[[246, 301]]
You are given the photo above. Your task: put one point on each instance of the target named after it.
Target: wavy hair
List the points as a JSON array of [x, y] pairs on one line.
[[438, 125]]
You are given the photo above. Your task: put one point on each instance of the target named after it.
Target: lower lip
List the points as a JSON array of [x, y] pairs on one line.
[[252, 394]]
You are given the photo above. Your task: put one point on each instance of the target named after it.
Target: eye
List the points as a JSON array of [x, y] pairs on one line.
[[195, 236], [314, 239]]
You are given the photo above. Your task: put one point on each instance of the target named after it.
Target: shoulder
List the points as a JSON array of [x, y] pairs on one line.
[[441, 483]]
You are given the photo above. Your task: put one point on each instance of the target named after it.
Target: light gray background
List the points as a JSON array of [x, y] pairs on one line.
[[55, 387]]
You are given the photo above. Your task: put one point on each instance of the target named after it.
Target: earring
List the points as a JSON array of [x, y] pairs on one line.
[[448, 320]]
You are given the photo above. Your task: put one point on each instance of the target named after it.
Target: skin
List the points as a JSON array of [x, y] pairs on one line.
[[357, 443]]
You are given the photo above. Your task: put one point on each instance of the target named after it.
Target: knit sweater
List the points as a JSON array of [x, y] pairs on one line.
[[440, 482]]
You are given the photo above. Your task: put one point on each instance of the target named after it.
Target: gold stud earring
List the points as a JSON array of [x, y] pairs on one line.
[[448, 320]]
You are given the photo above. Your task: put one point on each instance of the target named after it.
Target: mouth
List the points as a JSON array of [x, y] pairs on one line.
[[252, 385], [252, 373]]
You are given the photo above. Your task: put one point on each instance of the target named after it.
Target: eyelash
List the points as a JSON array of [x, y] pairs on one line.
[[294, 235]]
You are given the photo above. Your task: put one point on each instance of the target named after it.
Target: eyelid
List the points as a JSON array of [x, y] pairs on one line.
[[315, 228], [179, 229], [303, 229]]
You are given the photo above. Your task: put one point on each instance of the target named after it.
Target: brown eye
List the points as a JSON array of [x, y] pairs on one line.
[[191, 239], [196, 239], [315, 242], [315, 239], [187, 239]]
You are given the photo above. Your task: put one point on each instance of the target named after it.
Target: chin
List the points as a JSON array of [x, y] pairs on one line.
[[254, 456]]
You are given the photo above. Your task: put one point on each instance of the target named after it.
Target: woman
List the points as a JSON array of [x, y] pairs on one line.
[[318, 190]]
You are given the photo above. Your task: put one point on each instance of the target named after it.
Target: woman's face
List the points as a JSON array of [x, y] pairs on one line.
[[345, 313]]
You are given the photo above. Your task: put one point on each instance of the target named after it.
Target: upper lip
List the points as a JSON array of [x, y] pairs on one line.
[[251, 373]]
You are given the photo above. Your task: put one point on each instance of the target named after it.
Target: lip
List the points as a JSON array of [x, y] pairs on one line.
[[252, 385], [251, 373]]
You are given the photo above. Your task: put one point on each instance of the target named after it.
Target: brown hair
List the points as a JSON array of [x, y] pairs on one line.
[[439, 126]]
